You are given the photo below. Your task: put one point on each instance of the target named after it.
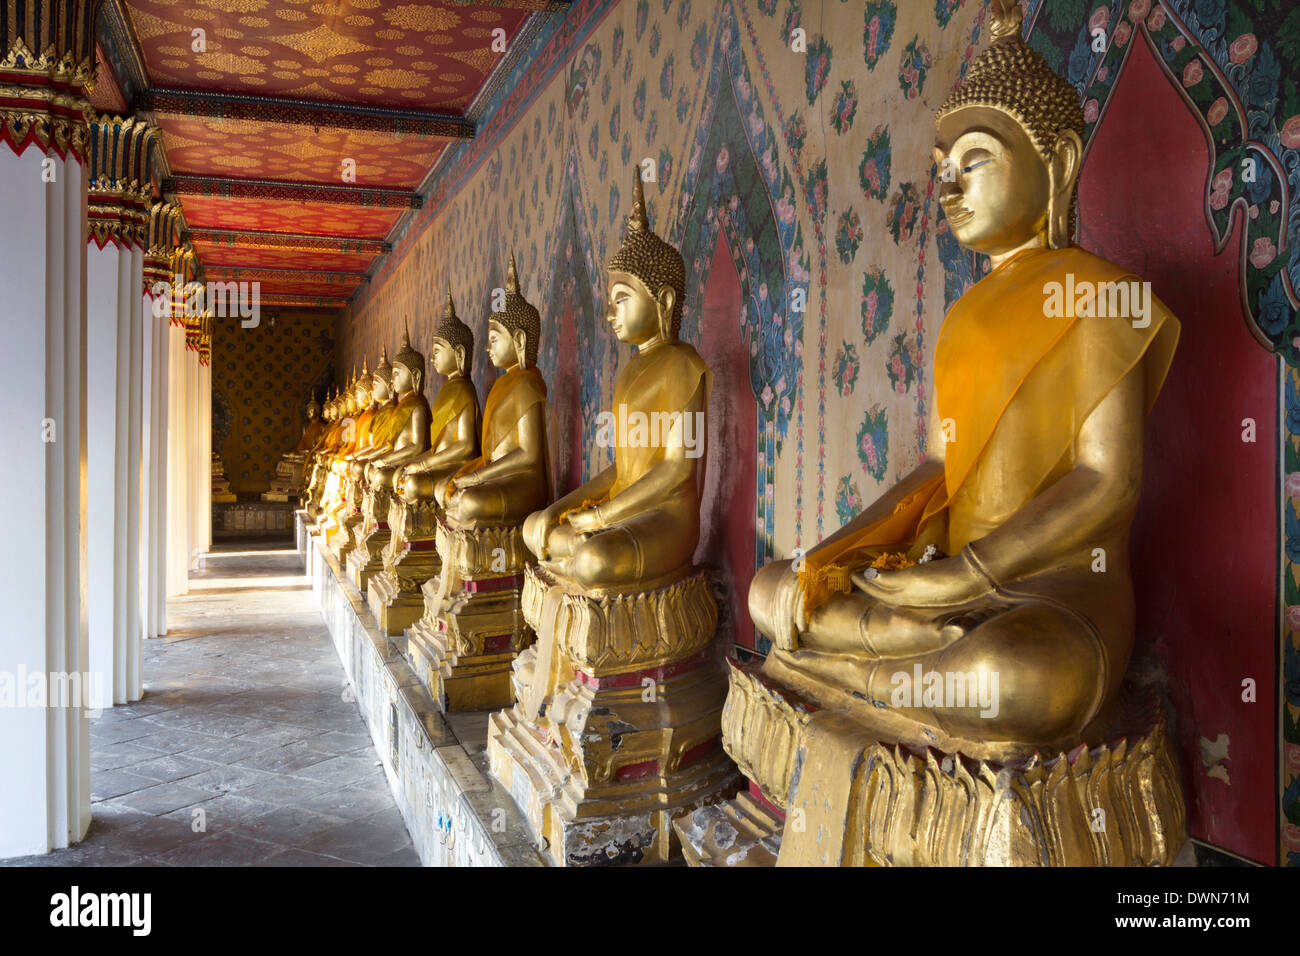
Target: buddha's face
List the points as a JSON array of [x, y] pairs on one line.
[[380, 389], [500, 346], [350, 403], [634, 313], [446, 360], [363, 396], [1000, 187], [403, 380]]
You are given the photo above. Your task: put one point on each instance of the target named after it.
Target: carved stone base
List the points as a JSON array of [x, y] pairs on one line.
[[629, 737], [463, 648], [371, 536], [288, 479], [1116, 804], [410, 559]]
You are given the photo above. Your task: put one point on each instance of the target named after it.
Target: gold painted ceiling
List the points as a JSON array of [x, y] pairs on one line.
[[295, 118]]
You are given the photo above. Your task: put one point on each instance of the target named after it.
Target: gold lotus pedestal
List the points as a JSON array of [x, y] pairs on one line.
[[464, 645], [616, 726], [371, 535], [411, 558], [1115, 804]]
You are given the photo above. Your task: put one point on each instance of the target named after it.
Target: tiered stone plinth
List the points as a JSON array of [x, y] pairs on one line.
[[288, 479], [371, 535], [221, 492], [887, 804], [410, 559], [473, 626], [630, 736]]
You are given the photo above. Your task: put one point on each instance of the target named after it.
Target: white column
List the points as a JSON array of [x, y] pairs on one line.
[[156, 320], [45, 754], [202, 505], [113, 385], [178, 454], [130, 669], [106, 494]]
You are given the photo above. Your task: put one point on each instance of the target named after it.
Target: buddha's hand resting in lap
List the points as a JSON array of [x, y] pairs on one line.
[[467, 480], [788, 614], [945, 582], [585, 520], [537, 529]]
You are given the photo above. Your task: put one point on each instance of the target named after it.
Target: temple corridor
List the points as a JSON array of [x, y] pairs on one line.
[[247, 748]]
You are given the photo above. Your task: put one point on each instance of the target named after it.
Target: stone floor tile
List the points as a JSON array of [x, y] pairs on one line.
[[105, 785], [162, 798], [243, 750]]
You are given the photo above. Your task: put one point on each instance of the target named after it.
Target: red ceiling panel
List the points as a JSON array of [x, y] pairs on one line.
[[248, 149], [315, 219], [215, 256], [428, 56]]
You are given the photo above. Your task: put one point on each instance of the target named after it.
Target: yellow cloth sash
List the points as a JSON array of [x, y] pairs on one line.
[[330, 440], [385, 431], [513, 394], [665, 382], [310, 435], [998, 346], [361, 436], [452, 399]]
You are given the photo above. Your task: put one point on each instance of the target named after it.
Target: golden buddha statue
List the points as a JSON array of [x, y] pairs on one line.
[[406, 432], [316, 465], [944, 685], [618, 703], [344, 442], [453, 438], [346, 511], [453, 419], [512, 477], [463, 645], [469, 600], [406, 436], [314, 428], [370, 520]]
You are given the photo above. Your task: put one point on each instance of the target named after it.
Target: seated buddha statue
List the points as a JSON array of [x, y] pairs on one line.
[[345, 442], [453, 418], [314, 428], [616, 722], [289, 471], [380, 438], [346, 497], [406, 432], [316, 466], [512, 477], [637, 523], [1002, 560]]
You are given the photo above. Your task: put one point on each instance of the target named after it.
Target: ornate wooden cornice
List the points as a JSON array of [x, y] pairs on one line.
[[254, 239], [314, 113], [118, 188], [122, 49], [279, 190], [47, 65]]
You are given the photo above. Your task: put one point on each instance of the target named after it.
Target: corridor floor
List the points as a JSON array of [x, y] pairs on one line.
[[247, 749]]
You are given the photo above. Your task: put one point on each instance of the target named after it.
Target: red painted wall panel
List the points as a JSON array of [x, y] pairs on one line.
[[1205, 541]]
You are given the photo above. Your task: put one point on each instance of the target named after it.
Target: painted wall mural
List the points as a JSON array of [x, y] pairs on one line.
[[797, 180]]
